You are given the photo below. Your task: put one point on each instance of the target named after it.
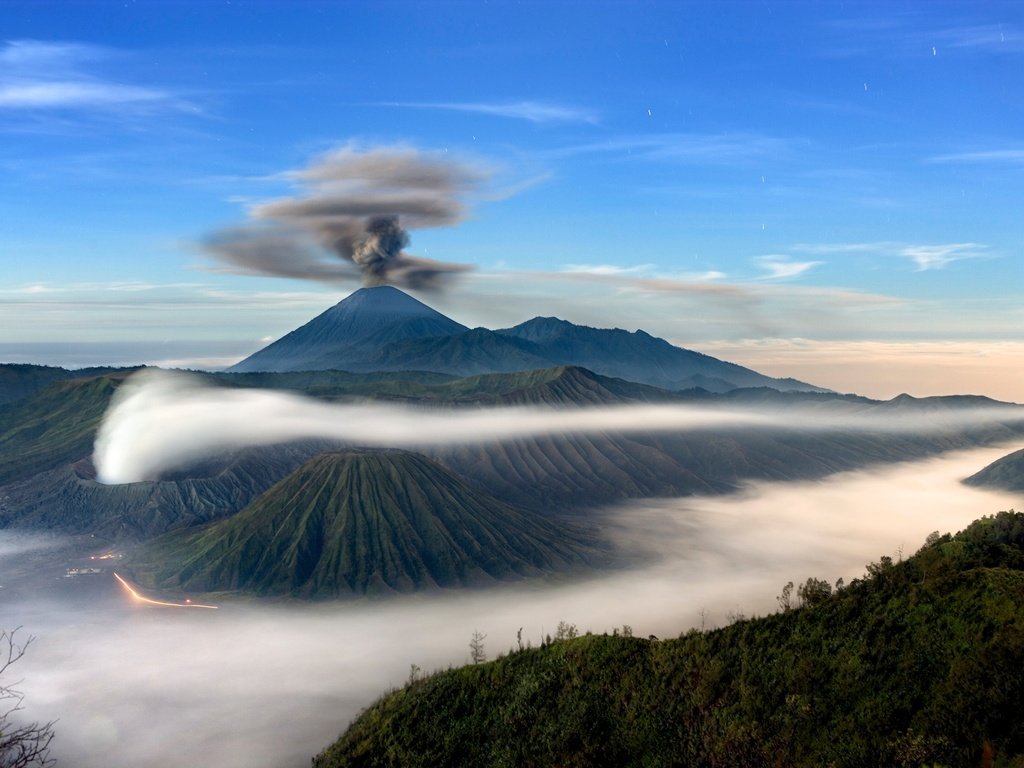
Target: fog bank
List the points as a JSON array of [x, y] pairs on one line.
[[271, 684], [160, 421]]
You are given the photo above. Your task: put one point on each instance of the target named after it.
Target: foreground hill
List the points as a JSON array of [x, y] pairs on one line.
[[920, 663], [358, 522], [384, 329]]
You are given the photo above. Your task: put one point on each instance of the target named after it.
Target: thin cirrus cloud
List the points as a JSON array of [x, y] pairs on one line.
[[531, 111], [1009, 155], [39, 75], [688, 148], [925, 256], [928, 257], [608, 269], [782, 268], [912, 36]]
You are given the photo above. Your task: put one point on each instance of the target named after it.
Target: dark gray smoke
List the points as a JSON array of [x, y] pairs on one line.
[[353, 220], [383, 244]]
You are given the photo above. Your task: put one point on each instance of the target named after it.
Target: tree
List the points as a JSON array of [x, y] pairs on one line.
[[21, 744], [476, 647], [814, 591], [566, 631], [786, 598]]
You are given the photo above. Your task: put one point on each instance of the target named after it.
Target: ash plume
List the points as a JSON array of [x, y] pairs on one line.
[[352, 220]]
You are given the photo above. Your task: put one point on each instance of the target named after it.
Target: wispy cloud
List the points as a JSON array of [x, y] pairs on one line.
[[1009, 155], [607, 269], [696, 148], [782, 267], [928, 257], [826, 248], [74, 94], [532, 111], [925, 256], [38, 75], [912, 35], [995, 37]]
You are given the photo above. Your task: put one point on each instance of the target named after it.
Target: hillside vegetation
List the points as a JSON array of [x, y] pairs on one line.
[[359, 522], [53, 427], [919, 663]]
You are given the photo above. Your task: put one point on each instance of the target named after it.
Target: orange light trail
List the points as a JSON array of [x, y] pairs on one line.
[[149, 601]]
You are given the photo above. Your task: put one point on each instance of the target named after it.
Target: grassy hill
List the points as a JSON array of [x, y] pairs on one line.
[[53, 427], [364, 522], [919, 663], [20, 380]]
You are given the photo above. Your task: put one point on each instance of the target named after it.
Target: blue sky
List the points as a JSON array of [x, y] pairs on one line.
[[795, 184]]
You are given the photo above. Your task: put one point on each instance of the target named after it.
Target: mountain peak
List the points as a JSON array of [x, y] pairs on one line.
[[382, 312], [384, 297]]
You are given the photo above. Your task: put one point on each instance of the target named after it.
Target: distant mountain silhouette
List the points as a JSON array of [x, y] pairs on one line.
[[1006, 474], [638, 356], [384, 329]]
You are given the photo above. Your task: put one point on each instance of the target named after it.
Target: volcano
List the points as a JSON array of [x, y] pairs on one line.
[[385, 329], [357, 522], [350, 333]]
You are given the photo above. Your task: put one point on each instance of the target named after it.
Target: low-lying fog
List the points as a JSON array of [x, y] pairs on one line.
[[161, 420], [270, 685]]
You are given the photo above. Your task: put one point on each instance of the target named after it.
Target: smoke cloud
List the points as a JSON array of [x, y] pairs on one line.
[[160, 421], [270, 684], [353, 219]]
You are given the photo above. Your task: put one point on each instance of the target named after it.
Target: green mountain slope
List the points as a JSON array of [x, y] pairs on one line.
[[920, 663], [53, 427], [598, 468], [69, 499], [357, 522], [42, 435]]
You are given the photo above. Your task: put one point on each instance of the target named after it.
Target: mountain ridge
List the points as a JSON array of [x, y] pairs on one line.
[[384, 329]]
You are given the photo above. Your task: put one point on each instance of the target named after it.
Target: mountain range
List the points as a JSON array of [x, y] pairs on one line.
[[448, 516], [385, 329]]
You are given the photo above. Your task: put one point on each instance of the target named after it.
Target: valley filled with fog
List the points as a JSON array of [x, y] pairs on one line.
[[260, 683]]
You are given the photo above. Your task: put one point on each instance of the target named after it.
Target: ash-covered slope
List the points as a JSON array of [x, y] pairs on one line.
[[350, 332], [364, 522]]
